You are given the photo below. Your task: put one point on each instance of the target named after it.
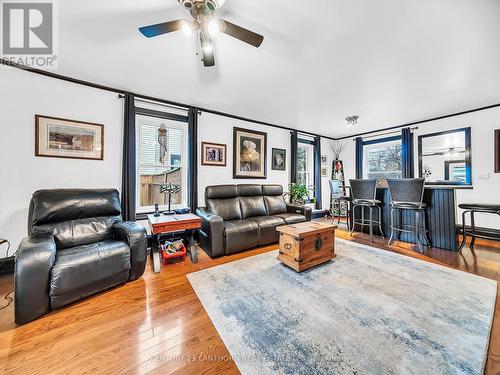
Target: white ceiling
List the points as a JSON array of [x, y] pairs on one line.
[[388, 61]]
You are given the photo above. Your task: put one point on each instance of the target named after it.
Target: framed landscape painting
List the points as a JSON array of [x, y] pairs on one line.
[[249, 153], [62, 138], [213, 154]]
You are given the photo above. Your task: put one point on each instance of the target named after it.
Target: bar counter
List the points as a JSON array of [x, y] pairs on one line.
[[440, 215]]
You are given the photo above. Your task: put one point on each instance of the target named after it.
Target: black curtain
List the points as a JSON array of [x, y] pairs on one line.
[[407, 153], [359, 157], [193, 158], [294, 146], [128, 168], [317, 171]]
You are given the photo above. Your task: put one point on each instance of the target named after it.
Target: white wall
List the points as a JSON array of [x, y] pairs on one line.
[[22, 96], [483, 124], [219, 129]]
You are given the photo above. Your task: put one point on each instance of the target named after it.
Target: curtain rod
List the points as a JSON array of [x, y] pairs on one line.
[[386, 133]]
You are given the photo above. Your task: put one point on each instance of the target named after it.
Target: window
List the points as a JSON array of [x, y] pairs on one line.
[[156, 166], [382, 158], [305, 164]]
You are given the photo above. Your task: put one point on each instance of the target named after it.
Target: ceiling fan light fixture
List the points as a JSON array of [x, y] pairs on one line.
[[213, 27], [187, 28]]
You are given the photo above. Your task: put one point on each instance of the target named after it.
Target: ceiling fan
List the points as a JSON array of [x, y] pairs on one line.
[[204, 20]]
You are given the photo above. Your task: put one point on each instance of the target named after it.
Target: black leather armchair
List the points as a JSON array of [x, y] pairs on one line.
[[77, 246], [240, 217]]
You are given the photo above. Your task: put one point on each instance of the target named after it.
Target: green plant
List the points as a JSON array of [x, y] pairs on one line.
[[298, 193]]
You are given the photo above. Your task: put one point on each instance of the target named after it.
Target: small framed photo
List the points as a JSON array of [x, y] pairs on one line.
[[278, 162], [324, 172], [323, 159], [63, 138], [213, 154]]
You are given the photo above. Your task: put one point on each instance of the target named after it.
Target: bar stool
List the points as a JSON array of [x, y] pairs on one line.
[[407, 194], [473, 208], [338, 197], [363, 195]]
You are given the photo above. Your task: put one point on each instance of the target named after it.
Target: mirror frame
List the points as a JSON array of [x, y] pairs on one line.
[[468, 156]]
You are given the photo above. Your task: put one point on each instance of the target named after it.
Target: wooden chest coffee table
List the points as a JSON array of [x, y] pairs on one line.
[[305, 245]]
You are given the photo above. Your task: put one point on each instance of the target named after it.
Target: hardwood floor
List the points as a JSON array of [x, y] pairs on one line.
[[157, 324]]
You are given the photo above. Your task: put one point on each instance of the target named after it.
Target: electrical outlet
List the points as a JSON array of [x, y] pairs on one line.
[[484, 175]]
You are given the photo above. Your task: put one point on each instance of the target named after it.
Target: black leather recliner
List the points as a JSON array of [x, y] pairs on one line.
[[78, 245], [240, 217]]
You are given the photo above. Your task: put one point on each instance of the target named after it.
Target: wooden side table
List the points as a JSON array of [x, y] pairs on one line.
[[172, 223]]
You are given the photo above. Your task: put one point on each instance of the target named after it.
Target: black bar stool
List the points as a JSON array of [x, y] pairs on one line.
[[363, 195], [472, 208], [338, 197], [408, 194]]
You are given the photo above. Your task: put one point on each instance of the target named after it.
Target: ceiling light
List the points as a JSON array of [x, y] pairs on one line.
[[207, 47], [352, 121], [213, 27], [187, 28]]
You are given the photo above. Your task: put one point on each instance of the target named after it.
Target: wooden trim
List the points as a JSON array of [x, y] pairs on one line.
[[235, 131], [37, 126], [497, 151], [207, 163], [160, 114]]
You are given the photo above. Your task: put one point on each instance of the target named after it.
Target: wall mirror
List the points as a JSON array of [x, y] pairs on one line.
[[445, 157]]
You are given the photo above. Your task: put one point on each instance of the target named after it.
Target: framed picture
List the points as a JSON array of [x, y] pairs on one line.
[[324, 172], [62, 138], [323, 159], [278, 162], [213, 154], [249, 153]]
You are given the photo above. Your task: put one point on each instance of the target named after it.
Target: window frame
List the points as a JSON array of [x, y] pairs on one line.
[[377, 141], [172, 121]]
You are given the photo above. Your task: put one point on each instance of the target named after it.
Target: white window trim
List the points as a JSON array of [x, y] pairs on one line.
[[183, 127], [365, 156]]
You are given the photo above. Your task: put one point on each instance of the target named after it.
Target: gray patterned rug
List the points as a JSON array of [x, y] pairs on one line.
[[367, 312]]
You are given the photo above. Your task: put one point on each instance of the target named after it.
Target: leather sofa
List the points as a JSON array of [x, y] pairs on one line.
[[77, 246], [240, 217]]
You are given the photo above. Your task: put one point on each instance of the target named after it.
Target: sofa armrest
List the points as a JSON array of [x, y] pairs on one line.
[[298, 209], [135, 235], [212, 238], [35, 257]]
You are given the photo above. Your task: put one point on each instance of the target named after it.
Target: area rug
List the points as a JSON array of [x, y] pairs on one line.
[[368, 311]]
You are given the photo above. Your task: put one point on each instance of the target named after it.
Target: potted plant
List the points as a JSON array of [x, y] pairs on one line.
[[298, 193]]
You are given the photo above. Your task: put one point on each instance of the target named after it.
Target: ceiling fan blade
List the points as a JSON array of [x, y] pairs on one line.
[[161, 28], [241, 33], [207, 50]]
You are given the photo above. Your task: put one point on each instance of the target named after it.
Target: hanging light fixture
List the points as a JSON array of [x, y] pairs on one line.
[[352, 121]]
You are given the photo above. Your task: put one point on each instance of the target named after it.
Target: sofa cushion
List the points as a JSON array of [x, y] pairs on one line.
[[267, 228], [272, 190], [252, 206], [240, 235], [249, 190], [56, 205], [228, 209], [275, 204], [84, 266], [78, 232], [292, 218]]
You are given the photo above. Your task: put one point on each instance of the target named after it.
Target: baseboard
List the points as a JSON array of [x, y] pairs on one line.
[[7, 266]]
